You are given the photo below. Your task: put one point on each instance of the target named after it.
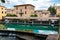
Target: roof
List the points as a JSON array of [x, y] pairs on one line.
[[10, 9], [2, 6], [43, 11], [24, 5], [40, 10], [57, 7]]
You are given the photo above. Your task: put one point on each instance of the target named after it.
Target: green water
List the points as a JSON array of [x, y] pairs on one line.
[[31, 27]]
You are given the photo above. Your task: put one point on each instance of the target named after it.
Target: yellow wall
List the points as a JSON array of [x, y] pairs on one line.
[[57, 10], [2, 8], [1, 15]]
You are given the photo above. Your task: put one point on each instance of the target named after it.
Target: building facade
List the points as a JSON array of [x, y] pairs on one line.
[[10, 11], [57, 10], [2, 12], [24, 10], [42, 14]]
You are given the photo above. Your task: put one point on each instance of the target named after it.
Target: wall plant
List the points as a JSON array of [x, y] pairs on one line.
[[33, 15], [11, 15]]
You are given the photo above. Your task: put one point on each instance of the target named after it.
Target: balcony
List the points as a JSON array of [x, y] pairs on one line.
[[33, 17], [53, 17], [16, 18]]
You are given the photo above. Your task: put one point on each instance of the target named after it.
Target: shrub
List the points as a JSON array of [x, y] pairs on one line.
[[34, 15], [2, 27], [11, 15]]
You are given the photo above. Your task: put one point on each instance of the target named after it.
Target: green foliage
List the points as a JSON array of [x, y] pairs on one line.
[[34, 15], [11, 15], [2, 27], [52, 10], [3, 1], [30, 31]]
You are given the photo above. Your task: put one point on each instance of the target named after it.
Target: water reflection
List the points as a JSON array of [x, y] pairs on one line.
[[10, 36]]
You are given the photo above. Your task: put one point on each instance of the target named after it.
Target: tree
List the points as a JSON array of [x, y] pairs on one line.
[[2, 27], [52, 10], [3, 1]]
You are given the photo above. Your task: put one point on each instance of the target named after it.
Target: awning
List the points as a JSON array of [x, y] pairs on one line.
[[43, 19]]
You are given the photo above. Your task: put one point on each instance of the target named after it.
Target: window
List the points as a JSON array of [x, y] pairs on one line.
[[5, 12], [35, 11], [45, 14], [16, 8], [2, 8], [25, 12], [20, 10], [2, 11], [25, 7], [16, 12]]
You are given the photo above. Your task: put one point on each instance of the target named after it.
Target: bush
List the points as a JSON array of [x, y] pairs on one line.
[[34, 15], [11, 15], [2, 27]]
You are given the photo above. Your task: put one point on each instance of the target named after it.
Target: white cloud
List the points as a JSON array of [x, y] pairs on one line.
[[39, 4], [14, 0]]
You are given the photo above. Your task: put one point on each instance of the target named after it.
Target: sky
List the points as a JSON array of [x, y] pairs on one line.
[[39, 4]]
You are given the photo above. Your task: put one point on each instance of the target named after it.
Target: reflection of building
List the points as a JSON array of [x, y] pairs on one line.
[[19, 35], [52, 37], [10, 11], [6, 34], [2, 12], [24, 10]]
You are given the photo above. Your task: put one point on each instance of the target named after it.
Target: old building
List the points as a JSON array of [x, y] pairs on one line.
[[2, 12], [42, 14], [24, 10], [30, 15], [10, 11], [57, 9]]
